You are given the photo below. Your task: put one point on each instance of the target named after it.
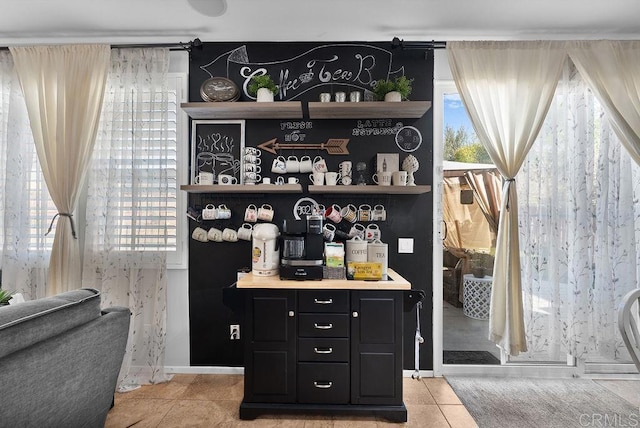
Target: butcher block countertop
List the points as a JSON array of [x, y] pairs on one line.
[[396, 282]]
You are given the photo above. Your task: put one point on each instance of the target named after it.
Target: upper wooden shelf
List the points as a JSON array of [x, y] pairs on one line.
[[242, 188], [368, 110], [317, 110], [371, 189], [244, 110]]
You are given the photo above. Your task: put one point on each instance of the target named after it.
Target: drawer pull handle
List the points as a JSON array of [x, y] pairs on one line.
[[323, 302], [323, 385], [323, 326], [323, 351]]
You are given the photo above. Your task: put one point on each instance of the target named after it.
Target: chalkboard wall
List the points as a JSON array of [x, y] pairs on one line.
[[304, 70]]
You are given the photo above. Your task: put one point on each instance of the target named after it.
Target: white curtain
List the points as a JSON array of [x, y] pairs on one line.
[[127, 184], [24, 200], [63, 88], [507, 88], [612, 69], [581, 230]]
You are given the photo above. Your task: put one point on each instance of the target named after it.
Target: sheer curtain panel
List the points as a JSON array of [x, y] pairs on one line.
[[581, 230], [507, 88], [24, 201], [612, 69], [63, 88], [129, 193]]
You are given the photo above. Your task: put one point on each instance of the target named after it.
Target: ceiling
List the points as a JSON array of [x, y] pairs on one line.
[[172, 21]]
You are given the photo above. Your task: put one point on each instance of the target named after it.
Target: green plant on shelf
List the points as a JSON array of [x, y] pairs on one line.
[[262, 81], [5, 296], [399, 84]]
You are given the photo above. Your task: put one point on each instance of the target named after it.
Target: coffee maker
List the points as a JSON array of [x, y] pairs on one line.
[[302, 247]]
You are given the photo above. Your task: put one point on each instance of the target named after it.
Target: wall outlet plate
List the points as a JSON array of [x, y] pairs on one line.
[[234, 331], [405, 245]]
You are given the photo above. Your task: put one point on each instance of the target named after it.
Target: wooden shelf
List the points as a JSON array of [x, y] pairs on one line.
[[243, 188], [368, 110], [371, 189], [244, 110]]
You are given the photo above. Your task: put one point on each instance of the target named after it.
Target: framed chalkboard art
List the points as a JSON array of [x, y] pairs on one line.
[[217, 147]]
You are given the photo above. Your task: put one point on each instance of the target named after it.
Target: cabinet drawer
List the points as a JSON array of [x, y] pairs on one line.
[[323, 325], [323, 350], [323, 383], [323, 301]]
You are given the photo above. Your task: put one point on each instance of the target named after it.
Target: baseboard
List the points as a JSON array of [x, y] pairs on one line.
[[423, 373], [203, 370]]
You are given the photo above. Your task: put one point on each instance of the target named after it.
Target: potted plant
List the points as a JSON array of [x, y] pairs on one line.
[[5, 296], [262, 87], [397, 89]]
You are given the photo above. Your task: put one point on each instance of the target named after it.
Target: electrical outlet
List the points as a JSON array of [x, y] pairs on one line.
[[234, 332], [405, 245]]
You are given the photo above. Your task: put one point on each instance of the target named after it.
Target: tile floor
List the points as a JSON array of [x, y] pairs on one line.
[[191, 400]]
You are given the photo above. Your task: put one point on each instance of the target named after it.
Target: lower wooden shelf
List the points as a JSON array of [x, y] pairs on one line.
[[372, 189], [242, 188]]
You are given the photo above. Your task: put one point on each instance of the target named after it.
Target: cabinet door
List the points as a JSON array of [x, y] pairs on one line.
[[270, 351], [376, 347]]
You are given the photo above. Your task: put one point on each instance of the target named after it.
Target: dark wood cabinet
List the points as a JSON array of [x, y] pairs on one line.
[[323, 352]]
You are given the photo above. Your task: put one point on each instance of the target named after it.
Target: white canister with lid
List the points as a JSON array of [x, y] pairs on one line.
[[356, 250], [378, 251]]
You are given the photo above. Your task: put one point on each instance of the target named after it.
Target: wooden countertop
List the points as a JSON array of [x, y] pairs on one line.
[[397, 282]]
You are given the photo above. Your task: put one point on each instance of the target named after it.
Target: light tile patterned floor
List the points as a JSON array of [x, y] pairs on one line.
[[191, 400]]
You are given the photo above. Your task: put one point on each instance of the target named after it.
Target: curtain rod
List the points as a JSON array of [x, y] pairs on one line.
[[180, 46], [397, 43]]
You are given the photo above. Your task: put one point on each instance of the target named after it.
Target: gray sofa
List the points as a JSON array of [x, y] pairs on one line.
[[59, 360]]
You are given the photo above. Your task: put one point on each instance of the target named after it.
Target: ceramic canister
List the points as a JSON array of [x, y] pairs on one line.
[[378, 251], [356, 250]]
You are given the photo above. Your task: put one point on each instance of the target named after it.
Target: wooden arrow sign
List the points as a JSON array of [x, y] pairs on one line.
[[333, 146]]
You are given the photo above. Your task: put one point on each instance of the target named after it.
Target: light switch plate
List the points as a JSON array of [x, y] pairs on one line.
[[405, 245]]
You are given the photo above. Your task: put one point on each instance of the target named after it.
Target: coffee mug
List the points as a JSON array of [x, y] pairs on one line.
[[293, 180], [340, 97], [229, 235], [372, 233], [317, 178], [329, 232], [265, 212], [252, 151], [399, 178], [319, 164], [252, 167], [306, 166], [245, 231], [209, 212], [266, 180], [331, 178], [252, 177], [333, 213], [378, 213], [382, 178], [325, 97], [199, 234], [204, 178], [280, 181], [214, 235], [349, 213], [292, 165], [357, 230], [364, 212], [345, 168], [222, 212], [279, 165], [251, 213], [226, 179], [252, 159]]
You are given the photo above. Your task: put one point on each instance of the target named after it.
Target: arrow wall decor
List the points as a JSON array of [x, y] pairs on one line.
[[333, 146]]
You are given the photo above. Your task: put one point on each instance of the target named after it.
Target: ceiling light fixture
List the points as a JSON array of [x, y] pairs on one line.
[[211, 8]]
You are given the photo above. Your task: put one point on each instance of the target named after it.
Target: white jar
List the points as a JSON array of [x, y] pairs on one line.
[[356, 250], [378, 251]]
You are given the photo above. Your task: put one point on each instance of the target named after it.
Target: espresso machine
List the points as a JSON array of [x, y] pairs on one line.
[[302, 249]]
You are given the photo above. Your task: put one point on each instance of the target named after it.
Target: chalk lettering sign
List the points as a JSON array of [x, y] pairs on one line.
[[217, 146], [356, 66]]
